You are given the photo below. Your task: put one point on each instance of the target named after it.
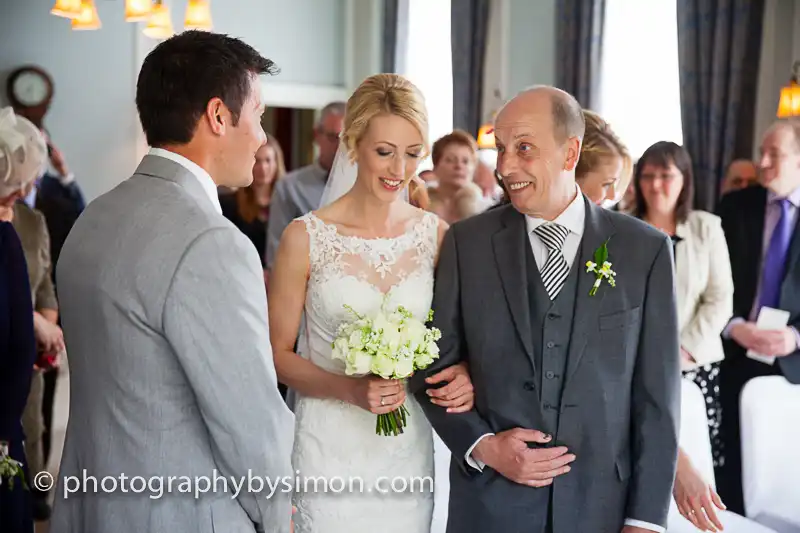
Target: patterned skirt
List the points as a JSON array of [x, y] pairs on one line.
[[707, 378]]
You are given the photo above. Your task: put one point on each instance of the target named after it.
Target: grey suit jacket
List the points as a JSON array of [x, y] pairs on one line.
[[171, 373], [620, 401]]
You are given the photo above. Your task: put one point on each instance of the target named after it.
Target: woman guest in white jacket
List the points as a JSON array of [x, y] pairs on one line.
[[664, 193]]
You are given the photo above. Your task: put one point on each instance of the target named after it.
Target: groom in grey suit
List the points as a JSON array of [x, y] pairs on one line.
[[575, 425], [173, 392]]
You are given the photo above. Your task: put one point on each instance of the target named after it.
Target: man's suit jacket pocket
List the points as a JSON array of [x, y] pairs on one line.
[[619, 319]]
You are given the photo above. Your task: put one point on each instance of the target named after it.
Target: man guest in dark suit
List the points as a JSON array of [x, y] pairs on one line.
[[761, 227]]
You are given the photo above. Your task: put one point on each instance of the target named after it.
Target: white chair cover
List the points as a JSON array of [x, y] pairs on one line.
[[694, 440], [770, 422]]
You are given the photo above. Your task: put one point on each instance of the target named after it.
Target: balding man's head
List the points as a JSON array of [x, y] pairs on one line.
[[779, 163], [538, 135], [566, 113]]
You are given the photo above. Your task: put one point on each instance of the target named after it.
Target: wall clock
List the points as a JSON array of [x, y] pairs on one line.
[[30, 91]]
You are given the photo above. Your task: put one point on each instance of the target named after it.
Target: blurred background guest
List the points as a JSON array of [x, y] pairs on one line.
[[454, 159], [248, 207], [741, 173], [301, 190], [604, 169], [664, 191]]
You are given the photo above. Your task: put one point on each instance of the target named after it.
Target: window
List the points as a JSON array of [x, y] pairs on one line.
[[428, 63], [639, 93]]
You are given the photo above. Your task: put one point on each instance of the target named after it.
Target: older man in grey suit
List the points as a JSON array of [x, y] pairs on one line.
[[576, 383], [174, 400]]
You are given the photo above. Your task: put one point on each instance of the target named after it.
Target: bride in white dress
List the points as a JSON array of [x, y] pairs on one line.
[[366, 244]]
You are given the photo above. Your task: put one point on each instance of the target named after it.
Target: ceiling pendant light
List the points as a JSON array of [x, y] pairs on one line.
[[88, 19], [198, 15], [159, 25], [67, 8], [138, 10]]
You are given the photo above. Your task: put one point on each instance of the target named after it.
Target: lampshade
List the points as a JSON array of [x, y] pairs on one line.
[[67, 8], [138, 10], [198, 15], [486, 136], [789, 104], [88, 19], [159, 25]]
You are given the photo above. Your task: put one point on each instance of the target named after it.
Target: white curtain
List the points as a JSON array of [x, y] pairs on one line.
[[428, 62], [639, 91]]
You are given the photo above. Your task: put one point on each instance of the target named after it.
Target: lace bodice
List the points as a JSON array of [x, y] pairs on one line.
[[363, 273]]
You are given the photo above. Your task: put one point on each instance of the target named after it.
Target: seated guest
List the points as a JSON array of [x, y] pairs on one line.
[[604, 168], [741, 173], [664, 191], [22, 154], [454, 158], [248, 207], [761, 226]]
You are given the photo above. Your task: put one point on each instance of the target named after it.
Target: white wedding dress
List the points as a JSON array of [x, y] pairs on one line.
[[336, 441]]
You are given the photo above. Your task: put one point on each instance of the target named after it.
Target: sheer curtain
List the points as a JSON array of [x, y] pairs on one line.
[[640, 91], [428, 63]]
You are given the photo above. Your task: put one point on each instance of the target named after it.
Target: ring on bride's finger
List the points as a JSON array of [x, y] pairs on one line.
[[383, 399]]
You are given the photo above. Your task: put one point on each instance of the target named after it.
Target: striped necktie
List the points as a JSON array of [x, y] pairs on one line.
[[555, 270]]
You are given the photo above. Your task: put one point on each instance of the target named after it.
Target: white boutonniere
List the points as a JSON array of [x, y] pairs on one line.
[[601, 268]]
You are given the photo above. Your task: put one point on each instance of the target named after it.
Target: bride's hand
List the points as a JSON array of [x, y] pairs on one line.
[[458, 395], [378, 395]]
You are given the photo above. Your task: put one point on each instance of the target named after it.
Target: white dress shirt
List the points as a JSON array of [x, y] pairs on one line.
[[573, 218], [208, 184]]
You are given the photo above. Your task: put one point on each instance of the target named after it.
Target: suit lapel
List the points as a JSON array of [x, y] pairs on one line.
[[509, 254], [597, 229]]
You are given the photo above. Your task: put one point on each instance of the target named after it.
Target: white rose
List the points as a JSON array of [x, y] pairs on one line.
[[340, 349], [404, 367], [358, 363], [414, 334], [356, 340], [383, 365], [423, 360]]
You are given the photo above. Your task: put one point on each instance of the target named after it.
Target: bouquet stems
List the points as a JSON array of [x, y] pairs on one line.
[[392, 424]]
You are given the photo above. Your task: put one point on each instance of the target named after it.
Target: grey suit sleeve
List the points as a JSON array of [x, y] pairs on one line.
[[215, 318], [459, 431], [655, 398], [281, 215]]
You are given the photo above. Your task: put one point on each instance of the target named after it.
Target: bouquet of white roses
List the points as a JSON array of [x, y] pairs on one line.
[[390, 345]]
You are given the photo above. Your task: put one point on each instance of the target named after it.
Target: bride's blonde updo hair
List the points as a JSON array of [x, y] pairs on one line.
[[383, 94]]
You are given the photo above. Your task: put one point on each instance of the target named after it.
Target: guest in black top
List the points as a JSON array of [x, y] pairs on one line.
[[17, 356], [248, 208]]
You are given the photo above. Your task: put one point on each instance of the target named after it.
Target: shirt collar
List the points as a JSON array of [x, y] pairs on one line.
[[196, 170], [793, 197], [572, 217]]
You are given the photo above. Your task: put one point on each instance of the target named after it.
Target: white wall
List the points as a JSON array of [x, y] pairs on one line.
[[319, 45]]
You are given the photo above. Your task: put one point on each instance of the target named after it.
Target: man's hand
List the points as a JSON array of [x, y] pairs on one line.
[[772, 342], [508, 453], [634, 529], [458, 395]]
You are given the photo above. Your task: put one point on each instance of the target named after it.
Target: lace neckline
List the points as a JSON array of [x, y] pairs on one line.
[[332, 229]]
